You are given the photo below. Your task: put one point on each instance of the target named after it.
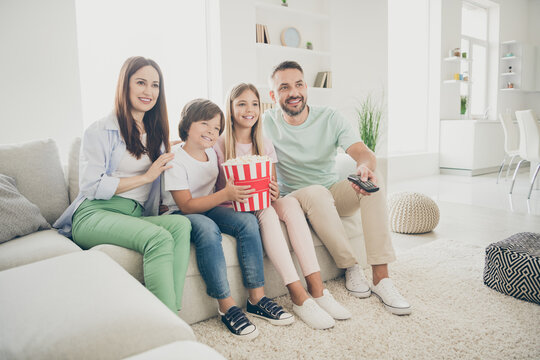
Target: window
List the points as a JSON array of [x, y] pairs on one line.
[[173, 33], [474, 41]]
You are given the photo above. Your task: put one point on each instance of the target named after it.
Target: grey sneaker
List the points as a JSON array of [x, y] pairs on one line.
[[391, 298], [356, 282]]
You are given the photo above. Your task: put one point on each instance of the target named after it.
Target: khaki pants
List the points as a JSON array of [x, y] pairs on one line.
[[323, 207]]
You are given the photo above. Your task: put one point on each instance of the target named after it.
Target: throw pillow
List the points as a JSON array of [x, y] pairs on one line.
[[19, 216], [37, 169]]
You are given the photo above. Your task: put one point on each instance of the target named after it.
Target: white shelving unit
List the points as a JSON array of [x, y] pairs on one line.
[[313, 26], [516, 67], [453, 65]]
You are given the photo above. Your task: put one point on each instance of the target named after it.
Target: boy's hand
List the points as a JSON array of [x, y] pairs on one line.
[[237, 193], [274, 189]]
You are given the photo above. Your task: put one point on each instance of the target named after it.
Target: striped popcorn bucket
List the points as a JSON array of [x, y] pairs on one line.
[[257, 175]]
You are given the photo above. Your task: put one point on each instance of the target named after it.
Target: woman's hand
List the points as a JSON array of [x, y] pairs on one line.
[[158, 166], [237, 193], [274, 189]]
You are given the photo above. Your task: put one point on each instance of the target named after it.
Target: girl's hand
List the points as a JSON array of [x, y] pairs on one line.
[[237, 193], [274, 189], [158, 166]]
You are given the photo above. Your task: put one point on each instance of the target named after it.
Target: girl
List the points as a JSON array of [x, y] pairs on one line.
[[121, 163], [243, 136], [191, 182]]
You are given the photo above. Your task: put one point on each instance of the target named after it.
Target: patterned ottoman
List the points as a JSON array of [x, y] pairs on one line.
[[513, 266]]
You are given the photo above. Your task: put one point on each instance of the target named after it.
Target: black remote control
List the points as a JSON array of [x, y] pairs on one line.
[[365, 185]]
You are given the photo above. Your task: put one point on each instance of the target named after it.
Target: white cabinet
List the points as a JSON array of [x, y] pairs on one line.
[[313, 25], [470, 147], [517, 67]]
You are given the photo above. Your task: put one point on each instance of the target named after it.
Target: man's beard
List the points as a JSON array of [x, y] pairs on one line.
[[293, 112]]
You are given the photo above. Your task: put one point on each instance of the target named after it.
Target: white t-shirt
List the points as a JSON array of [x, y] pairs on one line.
[[131, 166], [187, 173]]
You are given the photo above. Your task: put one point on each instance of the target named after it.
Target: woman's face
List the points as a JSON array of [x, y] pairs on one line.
[[143, 90], [245, 109]]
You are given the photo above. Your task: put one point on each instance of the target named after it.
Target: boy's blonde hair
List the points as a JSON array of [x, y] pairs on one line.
[[257, 143]]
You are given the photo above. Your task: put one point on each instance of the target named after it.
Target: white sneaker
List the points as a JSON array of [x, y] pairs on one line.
[[332, 307], [313, 315], [356, 282], [391, 298]]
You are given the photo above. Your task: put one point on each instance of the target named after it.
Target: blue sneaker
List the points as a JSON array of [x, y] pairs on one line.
[[238, 324], [269, 310]]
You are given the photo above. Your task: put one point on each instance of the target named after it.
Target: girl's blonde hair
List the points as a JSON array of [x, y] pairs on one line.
[[257, 144]]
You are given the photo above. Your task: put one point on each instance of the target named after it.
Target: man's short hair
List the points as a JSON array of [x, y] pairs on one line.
[[284, 66]]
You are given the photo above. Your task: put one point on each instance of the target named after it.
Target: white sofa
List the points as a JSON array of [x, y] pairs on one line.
[[37, 169]]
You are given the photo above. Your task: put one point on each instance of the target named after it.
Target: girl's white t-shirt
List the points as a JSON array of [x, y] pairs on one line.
[[131, 166], [187, 173]]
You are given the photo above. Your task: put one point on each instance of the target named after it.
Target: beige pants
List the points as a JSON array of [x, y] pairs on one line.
[[323, 207]]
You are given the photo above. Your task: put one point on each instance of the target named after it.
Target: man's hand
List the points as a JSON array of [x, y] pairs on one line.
[[365, 174]]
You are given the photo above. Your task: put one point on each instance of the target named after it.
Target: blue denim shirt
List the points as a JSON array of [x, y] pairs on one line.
[[102, 149]]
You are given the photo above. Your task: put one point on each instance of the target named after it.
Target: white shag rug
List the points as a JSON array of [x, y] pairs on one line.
[[455, 316]]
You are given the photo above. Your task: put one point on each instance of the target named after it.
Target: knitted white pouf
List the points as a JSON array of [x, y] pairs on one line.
[[412, 213]]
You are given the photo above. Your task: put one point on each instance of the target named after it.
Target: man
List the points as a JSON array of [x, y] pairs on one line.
[[306, 139]]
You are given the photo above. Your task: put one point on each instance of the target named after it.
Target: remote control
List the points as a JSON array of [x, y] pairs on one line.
[[365, 185]]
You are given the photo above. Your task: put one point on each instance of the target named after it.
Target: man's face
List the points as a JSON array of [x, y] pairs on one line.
[[290, 91]]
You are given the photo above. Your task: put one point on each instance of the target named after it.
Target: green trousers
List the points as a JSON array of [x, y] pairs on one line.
[[162, 240]]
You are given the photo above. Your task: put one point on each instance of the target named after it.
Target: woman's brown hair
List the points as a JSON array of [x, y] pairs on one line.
[[156, 120]]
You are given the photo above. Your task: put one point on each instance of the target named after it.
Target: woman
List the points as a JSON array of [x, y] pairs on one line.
[[122, 158]]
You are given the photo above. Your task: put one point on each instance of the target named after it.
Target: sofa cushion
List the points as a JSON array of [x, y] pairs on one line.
[[81, 306], [19, 216], [36, 168], [34, 247], [73, 169], [185, 350]]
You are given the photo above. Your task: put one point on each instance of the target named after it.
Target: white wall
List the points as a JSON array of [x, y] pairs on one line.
[[40, 95], [532, 100], [359, 47]]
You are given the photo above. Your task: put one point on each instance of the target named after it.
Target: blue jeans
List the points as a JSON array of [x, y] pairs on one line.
[[206, 231]]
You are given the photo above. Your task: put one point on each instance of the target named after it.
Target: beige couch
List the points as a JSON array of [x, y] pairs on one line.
[[42, 181]]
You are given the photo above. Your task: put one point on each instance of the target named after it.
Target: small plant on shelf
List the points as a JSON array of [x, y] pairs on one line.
[[370, 114], [309, 45], [284, 3], [464, 101]]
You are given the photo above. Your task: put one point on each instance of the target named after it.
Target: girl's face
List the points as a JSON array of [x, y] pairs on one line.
[[204, 134], [245, 110], [143, 90]]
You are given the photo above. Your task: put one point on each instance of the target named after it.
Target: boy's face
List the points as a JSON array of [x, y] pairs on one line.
[[205, 133]]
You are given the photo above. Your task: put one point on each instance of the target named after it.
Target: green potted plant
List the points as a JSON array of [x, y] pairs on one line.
[[309, 45], [463, 104], [370, 113], [284, 3]]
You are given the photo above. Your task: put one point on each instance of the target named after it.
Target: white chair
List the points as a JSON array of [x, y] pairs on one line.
[[510, 143], [529, 144]]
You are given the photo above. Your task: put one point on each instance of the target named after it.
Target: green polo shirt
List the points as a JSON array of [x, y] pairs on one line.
[[307, 152]]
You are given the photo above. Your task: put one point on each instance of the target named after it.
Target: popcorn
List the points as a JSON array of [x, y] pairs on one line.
[[247, 159], [255, 171]]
